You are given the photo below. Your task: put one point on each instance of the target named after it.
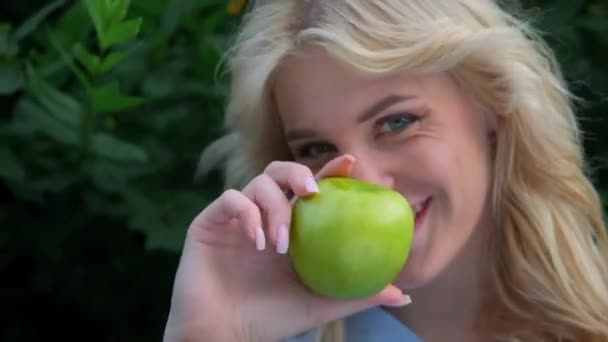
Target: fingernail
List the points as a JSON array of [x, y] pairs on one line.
[[349, 157], [283, 239], [311, 185], [405, 300], [260, 239]]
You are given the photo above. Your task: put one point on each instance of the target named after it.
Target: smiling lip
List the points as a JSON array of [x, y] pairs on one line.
[[421, 209]]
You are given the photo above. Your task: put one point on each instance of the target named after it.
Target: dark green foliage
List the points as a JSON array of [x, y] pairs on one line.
[[577, 30], [106, 105]]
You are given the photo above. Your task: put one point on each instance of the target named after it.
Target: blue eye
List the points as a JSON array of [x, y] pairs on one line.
[[396, 123]]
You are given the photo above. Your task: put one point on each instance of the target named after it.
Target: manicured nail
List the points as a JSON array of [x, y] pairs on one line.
[[405, 300], [260, 239], [311, 185], [283, 239]]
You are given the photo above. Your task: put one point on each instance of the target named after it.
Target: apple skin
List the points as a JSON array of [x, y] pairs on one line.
[[351, 239]]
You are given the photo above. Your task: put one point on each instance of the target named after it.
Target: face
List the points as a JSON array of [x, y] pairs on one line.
[[419, 135]]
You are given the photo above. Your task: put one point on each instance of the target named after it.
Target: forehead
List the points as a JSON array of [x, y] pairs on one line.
[[315, 82], [315, 68]]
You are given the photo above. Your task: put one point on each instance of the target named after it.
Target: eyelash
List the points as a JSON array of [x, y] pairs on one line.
[[409, 120], [305, 150]]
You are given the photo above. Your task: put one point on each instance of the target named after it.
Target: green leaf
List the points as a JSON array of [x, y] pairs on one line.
[[107, 99], [95, 10], [107, 146], [151, 8], [107, 17], [165, 238], [163, 82], [163, 219], [8, 47], [10, 168], [32, 116], [91, 62], [67, 59], [60, 105], [5, 28], [211, 23], [106, 12], [115, 10], [74, 25], [178, 211], [94, 64], [209, 53], [112, 60], [57, 182], [31, 24], [120, 32], [106, 176], [176, 12], [11, 79]]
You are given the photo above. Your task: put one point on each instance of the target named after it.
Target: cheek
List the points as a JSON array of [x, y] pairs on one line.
[[467, 179], [458, 173]]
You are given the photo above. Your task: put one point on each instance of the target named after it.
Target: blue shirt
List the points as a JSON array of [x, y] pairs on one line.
[[373, 325]]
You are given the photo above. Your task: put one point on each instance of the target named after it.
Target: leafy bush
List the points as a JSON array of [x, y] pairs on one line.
[[107, 105]]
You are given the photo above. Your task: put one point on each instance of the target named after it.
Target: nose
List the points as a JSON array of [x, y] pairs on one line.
[[371, 169]]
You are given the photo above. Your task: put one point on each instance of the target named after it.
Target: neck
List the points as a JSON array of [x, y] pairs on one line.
[[448, 308]]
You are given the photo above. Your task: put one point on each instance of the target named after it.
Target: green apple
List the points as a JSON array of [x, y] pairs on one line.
[[351, 239]]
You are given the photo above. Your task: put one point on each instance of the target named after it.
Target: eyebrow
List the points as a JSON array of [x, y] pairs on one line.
[[298, 134], [384, 103], [381, 105]]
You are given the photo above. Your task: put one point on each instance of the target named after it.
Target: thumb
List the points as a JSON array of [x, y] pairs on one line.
[[337, 309], [391, 296], [338, 167]]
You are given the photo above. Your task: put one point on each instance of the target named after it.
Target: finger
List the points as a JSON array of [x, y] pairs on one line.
[[233, 204], [267, 195], [338, 167], [322, 310], [292, 176], [389, 296]]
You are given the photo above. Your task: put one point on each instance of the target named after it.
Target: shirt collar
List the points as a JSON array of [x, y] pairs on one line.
[[376, 324]]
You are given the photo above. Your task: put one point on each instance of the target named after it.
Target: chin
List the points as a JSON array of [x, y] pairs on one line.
[[412, 277]]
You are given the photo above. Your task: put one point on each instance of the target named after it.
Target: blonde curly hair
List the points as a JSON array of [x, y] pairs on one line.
[[550, 248]]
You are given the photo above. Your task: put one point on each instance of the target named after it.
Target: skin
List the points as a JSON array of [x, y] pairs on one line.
[[426, 139], [231, 285], [430, 140]]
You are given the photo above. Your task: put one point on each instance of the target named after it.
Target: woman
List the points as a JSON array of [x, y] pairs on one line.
[[455, 104]]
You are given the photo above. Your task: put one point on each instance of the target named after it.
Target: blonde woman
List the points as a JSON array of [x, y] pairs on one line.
[[457, 105]]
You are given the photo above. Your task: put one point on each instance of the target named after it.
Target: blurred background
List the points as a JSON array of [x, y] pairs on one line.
[[105, 106]]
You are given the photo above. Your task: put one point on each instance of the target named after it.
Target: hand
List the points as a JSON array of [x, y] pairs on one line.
[[234, 281]]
